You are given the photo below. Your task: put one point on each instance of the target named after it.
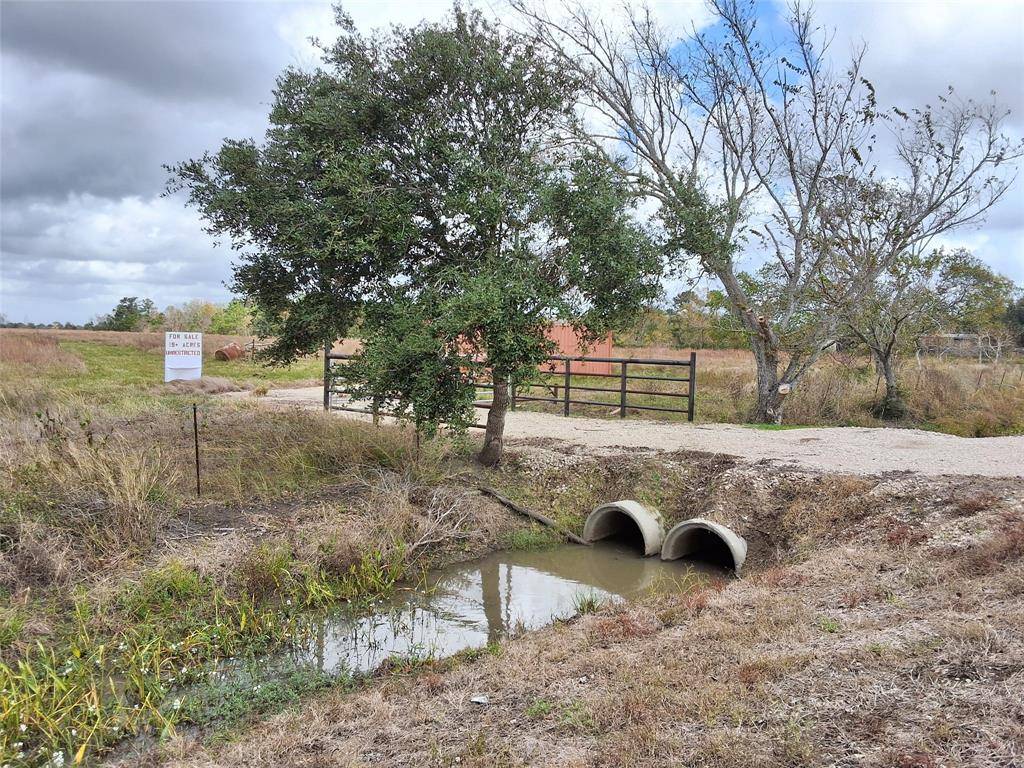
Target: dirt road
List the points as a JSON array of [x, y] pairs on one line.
[[834, 449]]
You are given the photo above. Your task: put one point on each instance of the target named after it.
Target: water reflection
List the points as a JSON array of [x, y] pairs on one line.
[[473, 604]]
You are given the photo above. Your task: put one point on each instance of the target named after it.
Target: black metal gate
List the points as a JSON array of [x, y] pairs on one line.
[[642, 384]]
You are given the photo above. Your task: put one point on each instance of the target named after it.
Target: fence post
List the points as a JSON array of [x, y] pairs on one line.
[[568, 374], [327, 376], [622, 392], [195, 437], [693, 386]]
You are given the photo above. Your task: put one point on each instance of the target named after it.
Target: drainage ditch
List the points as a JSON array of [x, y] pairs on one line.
[[471, 605]]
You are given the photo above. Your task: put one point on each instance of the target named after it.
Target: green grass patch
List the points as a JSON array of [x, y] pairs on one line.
[[828, 625], [539, 709], [532, 538], [109, 365], [240, 697], [128, 380], [113, 666], [587, 602], [577, 717]]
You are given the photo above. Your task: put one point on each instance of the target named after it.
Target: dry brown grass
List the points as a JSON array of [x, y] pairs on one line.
[[16, 343], [208, 385], [961, 397], [1001, 548], [976, 502], [21, 397], [34, 556], [39, 350], [120, 492], [823, 508], [84, 495]]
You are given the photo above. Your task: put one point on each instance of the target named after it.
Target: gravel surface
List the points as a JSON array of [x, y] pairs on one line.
[[857, 450]]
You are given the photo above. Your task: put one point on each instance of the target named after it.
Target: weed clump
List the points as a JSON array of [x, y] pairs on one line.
[[116, 489], [531, 538], [587, 602], [1000, 549]]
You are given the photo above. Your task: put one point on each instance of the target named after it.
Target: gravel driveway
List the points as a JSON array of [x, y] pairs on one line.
[[837, 449]]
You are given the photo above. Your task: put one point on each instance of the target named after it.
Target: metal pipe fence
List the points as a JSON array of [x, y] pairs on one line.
[[559, 382]]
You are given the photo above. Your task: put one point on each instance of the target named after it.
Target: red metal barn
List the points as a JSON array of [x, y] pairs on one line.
[[569, 345]]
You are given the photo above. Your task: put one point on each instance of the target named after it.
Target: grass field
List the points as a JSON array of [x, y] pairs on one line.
[[105, 367], [118, 586]]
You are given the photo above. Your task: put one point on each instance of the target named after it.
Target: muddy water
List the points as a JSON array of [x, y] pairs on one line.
[[474, 604]]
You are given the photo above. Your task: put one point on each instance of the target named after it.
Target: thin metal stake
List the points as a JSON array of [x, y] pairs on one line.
[[195, 435]]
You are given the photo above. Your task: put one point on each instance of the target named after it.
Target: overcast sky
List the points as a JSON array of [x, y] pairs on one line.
[[96, 96]]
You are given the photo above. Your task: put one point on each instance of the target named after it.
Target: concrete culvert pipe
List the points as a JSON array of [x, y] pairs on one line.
[[701, 538], [621, 518]]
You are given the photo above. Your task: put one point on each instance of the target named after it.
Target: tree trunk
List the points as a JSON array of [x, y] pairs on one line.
[[769, 399], [490, 454], [892, 405], [770, 396]]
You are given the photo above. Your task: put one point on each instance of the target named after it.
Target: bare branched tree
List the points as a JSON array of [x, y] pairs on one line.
[[747, 144], [917, 294], [952, 164]]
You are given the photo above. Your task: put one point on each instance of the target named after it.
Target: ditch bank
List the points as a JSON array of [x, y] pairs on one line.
[[879, 623]]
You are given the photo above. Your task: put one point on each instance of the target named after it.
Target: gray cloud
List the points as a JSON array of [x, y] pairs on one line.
[[185, 51], [915, 50], [97, 96], [918, 48]]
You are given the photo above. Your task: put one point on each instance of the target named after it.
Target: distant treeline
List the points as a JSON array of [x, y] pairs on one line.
[[691, 321], [696, 321], [135, 314]]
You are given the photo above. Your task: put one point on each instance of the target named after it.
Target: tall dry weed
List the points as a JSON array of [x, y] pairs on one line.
[[20, 397], [33, 555], [254, 452], [831, 394], [122, 490], [965, 399], [933, 393]]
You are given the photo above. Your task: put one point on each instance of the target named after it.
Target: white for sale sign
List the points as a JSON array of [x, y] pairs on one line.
[[183, 356]]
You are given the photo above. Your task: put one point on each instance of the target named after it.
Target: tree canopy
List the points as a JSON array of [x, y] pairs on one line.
[[421, 183], [130, 314]]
